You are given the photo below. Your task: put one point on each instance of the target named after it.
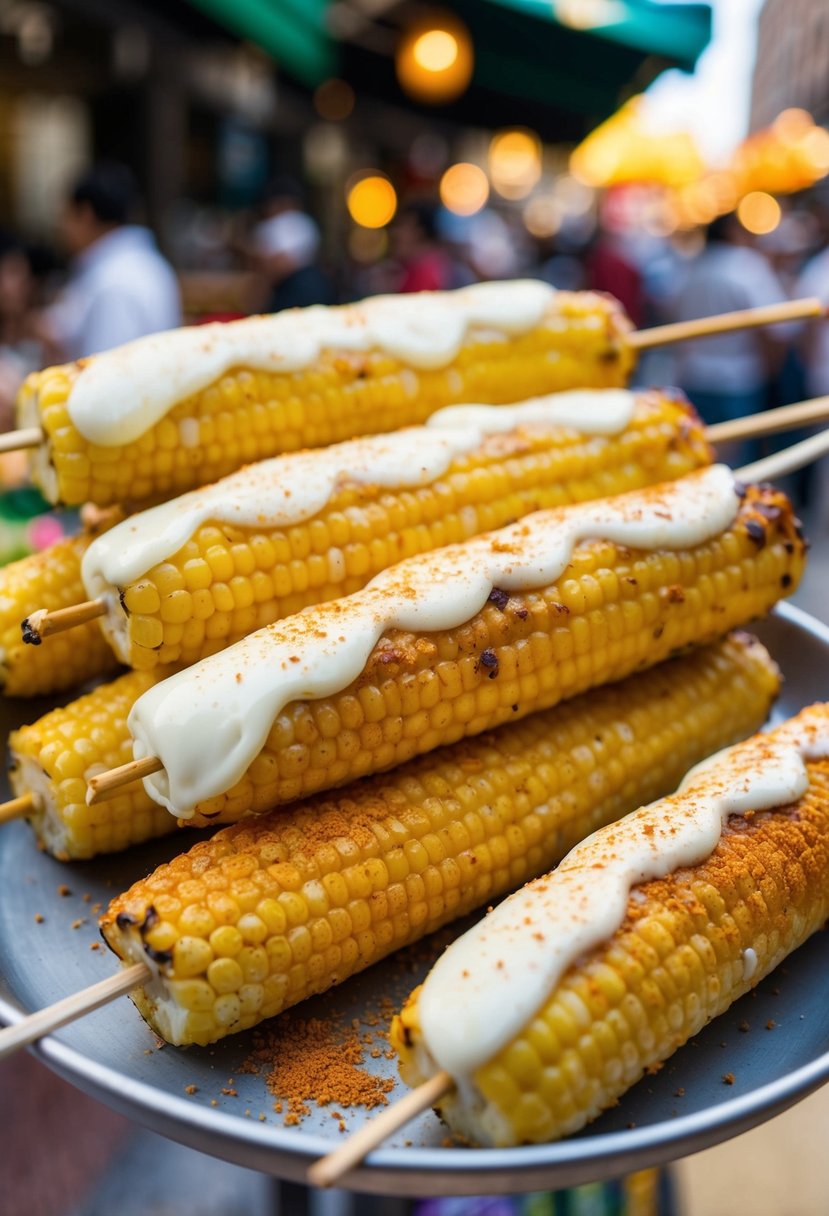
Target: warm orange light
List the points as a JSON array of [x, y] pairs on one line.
[[434, 60], [515, 162], [542, 216], [464, 189], [371, 200], [436, 50], [758, 212], [815, 145], [334, 99], [791, 124], [573, 196]]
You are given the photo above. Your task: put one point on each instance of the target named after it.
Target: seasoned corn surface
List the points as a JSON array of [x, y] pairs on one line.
[[226, 582], [676, 963], [53, 757], [50, 579], [615, 611], [280, 907], [249, 415]]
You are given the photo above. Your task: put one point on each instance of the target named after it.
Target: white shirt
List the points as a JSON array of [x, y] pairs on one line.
[[724, 278], [121, 288], [814, 281]]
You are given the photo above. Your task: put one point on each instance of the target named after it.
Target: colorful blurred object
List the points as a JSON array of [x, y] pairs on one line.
[[622, 150], [792, 154], [27, 525]]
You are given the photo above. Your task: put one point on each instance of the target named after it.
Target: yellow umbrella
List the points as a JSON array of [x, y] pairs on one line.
[[622, 150]]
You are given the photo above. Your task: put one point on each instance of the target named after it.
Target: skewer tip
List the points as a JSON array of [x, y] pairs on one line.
[[106, 785], [17, 808], [16, 441], [332, 1168]]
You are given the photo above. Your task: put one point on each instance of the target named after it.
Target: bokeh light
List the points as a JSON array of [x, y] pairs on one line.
[[464, 189], [542, 216], [759, 212], [334, 99], [435, 50], [815, 145], [371, 199], [434, 60], [791, 124], [514, 162]]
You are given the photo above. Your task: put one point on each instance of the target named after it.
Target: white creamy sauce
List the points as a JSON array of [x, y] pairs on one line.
[[291, 488], [491, 982], [123, 393], [225, 706], [750, 963]]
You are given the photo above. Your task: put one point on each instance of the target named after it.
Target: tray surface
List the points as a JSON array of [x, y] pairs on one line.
[[113, 1055]]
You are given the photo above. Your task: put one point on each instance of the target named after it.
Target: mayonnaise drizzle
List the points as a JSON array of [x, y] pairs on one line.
[[291, 488], [225, 706], [494, 979], [123, 393]]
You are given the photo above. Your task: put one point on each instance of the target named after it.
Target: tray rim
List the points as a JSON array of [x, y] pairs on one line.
[[428, 1171]]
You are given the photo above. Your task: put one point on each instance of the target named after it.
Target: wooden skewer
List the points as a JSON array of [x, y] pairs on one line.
[[43, 623], [15, 441], [36, 1025], [17, 808], [330, 1169], [770, 422], [789, 460], [724, 323], [105, 785]]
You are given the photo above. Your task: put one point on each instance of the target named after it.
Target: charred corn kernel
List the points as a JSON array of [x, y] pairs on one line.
[[504, 663], [336, 885], [364, 529], [50, 579], [247, 416], [690, 945], [51, 759]]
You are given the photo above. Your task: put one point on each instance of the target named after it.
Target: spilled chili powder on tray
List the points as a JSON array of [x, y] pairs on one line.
[[308, 1061]]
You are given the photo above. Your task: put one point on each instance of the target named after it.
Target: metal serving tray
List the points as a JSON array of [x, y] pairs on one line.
[[113, 1055]]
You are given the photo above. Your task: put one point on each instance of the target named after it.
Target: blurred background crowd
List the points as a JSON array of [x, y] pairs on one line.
[[164, 161]]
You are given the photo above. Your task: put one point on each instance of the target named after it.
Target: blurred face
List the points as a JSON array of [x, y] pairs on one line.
[[79, 227], [16, 285]]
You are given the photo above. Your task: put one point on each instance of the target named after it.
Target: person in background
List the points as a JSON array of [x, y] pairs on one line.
[[610, 267], [286, 246], [814, 281], [424, 263], [20, 351], [120, 286], [728, 376]]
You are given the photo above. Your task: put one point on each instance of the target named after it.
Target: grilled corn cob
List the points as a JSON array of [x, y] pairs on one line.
[[683, 944], [297, 708], [176, 410], [50, 579], [51, 759], [271, 911], [228, 580]]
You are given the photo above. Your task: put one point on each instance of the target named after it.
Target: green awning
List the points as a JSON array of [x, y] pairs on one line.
[[679, 32], [293, 32], [558, 65]]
